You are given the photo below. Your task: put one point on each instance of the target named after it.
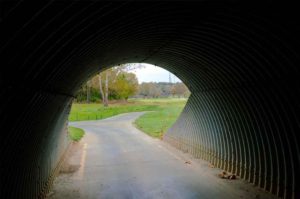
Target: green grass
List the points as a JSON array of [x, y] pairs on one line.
[[164, 112], [80, 112], [157, 123], [75, 134]]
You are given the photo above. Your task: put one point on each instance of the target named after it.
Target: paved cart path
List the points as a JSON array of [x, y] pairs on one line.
[[115, 160]]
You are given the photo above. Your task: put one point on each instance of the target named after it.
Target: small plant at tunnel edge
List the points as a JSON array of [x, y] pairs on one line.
[[75, 134]]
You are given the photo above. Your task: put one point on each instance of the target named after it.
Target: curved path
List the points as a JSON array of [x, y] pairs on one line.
[[115, 160]]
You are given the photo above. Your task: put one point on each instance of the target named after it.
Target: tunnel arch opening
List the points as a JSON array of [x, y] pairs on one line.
[[241, 63], [132, 87]]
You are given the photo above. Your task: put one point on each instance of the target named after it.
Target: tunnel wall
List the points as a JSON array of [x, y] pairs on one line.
[[240, 61], [32, 154], [249, 131]]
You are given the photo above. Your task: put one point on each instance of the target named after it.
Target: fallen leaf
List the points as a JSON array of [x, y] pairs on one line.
[[211, 166]]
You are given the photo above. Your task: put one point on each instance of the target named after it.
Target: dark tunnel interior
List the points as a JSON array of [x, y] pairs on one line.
[[240, 62]]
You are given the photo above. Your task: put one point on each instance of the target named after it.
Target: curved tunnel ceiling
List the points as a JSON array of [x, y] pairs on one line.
[[241, 63]]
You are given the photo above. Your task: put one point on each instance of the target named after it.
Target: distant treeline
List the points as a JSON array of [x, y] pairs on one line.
[[162, 89], [145, 90]]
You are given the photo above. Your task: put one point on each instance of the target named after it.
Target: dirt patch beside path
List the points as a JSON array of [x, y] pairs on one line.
[[68, 168]]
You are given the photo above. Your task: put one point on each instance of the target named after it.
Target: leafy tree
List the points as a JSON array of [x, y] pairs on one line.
[[113, 83], [125, 85]]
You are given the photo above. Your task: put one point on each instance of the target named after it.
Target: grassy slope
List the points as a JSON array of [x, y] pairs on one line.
[[75, 133], [157, 123]]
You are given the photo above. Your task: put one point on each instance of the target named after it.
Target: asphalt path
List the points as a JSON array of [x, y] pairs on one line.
[[116, 160]]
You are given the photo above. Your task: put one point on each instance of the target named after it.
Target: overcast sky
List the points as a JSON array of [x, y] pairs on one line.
[[151, 73]]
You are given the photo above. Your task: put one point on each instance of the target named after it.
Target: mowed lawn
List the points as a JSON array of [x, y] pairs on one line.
[[164, 112], [82, 112], [156, 123]]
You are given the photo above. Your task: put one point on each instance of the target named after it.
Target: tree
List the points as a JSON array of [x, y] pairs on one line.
[[88, 91], [179, 89], [106, 89], [108, 74], [101, 89], [113, 82], [154, 90], [125, 85], [149, 90]]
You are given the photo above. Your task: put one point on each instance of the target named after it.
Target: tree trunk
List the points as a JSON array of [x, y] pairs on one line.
[[88, 92], [106, 89], [101, 89]]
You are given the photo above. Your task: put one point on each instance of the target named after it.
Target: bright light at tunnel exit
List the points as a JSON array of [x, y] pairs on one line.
[[151, 73]]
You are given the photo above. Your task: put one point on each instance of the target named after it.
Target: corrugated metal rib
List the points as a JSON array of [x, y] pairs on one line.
[[243, 131]]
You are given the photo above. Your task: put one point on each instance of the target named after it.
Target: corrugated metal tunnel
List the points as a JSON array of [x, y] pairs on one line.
[[241, 63]]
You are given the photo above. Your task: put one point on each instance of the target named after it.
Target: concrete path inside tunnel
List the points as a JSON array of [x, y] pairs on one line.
[[115, 160]]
